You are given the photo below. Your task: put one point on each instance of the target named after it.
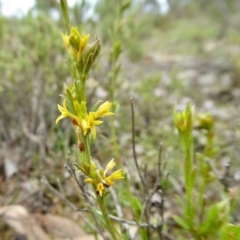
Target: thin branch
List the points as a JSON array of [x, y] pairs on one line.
[[225, 179], [60, 186], [159, 172], [215, 171], [72, 206], [118, 207], [151, 193], [227, 170], [177, 186], [133, 144], [157, 184], [164, 165], [80, 182], [117, 219]]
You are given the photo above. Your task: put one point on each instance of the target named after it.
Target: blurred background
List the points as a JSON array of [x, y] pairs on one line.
[[173, 51]]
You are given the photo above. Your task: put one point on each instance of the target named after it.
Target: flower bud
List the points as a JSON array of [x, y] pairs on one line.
[[75, 44], [90, 54], [184, 120], [88, 64], [75, 38], [206, 121], [93, 48]]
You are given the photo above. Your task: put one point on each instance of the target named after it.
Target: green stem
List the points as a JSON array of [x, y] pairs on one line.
[[85, 138], [201, 198], [83, 88], [87, 151], [109, 224], [114, 140], [188, 164], [113, 80], [114, 76], [204, 170], [188, 168]]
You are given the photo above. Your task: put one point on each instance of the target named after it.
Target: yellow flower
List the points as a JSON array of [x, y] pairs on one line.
[[109, 179], [89, 180], [117, 175], [92, 122], [75, 38], [71, 50], [102, 179], [81, 118], [82, 45], [184, 120], [109, 166], [75, 43], [181, 122], [100, 188], [104, 110], [65, 40], [81, 110], [65, 112], [83, 42]]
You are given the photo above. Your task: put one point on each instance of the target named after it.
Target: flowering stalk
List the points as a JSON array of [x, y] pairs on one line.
[[206, 123], [107, 220], [184, 123], [115, 65], [74, 106]]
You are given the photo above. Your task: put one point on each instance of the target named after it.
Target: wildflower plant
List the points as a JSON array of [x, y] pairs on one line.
[[115, 65], [74, 106], [184, 124], [202, 219]]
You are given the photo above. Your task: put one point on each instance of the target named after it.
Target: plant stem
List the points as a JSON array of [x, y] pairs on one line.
[[87, 150], [114, 141], [85, 138], [188, 169], [109, 224], [83, 88], [187, 145]]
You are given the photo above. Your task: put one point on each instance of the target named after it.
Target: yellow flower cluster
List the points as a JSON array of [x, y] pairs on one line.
[[102, 179], [75, 43], [74, 106], [80, 117], [78, 48], [184, 120]]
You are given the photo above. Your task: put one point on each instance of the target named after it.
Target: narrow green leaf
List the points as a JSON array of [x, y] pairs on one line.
[[193, 178], [180, 200], [216, 215], [181, 222], [64, 8], [95, 106], [99, 217], [137, 207], [70, 102], [125, 6]]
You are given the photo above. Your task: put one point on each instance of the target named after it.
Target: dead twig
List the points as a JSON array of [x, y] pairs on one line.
[[226, 180], [72, 206], [117, 219], [133, 145], [156, 187]]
